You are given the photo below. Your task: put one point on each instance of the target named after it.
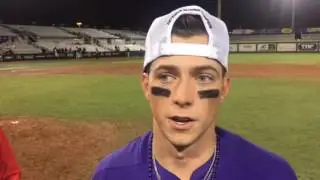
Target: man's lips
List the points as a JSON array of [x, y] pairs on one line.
[[182, 122], [181, 119]]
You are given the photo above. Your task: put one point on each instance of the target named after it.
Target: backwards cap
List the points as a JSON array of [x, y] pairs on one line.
[[158, 40]]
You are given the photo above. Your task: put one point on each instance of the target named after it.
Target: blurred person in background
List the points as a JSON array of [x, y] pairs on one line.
[[9, 168]]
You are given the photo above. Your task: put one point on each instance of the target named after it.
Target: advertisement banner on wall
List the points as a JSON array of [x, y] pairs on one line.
[[242, 31], [308, 47], [286, 47], [49, 56], [313, 30], [233, 48], [40, 56], [268, 31], [247, 48], [28, 57], [273, 31], [8, 57], [286, 31], [270, 47]]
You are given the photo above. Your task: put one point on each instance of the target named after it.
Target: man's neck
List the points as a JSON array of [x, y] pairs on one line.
[[179, 161]]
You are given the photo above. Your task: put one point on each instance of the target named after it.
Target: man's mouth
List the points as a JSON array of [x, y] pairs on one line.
[[182, 122], [181, 119]]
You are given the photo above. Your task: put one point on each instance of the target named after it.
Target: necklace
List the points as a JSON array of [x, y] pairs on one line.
[[211, 172]]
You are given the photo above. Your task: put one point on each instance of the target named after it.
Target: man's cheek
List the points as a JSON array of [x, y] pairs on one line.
[[209, 94], [203, 94], [159, 99], [159, 91], [207, 106]]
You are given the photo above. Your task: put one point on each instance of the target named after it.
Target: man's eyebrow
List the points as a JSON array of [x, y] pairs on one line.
[[193, 70], [203, 68], [167, 67]]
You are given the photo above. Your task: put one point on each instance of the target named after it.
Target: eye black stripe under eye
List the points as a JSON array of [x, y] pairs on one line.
[[212, 93], [158, 91]]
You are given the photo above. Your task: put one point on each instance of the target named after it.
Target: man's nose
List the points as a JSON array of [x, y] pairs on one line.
[[184, 94]]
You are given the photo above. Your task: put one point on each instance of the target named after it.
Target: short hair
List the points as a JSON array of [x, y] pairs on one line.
[[188, 25]]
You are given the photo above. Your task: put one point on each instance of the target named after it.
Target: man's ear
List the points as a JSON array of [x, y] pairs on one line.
[[225, 88], [145, 85]]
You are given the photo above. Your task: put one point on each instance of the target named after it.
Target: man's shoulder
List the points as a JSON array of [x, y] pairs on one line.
[[128, 156], [258, 160]]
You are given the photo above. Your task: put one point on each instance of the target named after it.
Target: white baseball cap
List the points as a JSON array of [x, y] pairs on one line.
[[158, 41]]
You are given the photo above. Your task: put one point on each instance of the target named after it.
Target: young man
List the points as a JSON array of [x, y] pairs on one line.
[[186, 80], [9, 168]]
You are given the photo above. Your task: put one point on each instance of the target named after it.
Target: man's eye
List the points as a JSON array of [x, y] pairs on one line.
[[204, 78], [166, 78]]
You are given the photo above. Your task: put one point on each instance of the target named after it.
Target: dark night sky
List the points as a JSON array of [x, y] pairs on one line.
[[140, 13]]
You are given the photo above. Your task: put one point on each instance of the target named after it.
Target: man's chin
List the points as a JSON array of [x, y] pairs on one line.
[[181, 142]]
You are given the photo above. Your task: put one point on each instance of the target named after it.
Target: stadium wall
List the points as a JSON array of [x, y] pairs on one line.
[[48, 56], [259, 47], [275, 47]]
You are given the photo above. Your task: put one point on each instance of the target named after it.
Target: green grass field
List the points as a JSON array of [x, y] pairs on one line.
[[280, 115]]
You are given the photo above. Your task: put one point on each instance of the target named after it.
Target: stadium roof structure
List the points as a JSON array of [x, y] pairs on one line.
[[6, 32], [126, 34], [91, 32], [43, 31]]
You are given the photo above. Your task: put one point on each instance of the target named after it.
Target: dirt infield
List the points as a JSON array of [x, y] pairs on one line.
[[57, 150], [236, 70]]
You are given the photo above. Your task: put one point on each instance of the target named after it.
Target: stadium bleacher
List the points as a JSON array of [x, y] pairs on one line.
[[134, 47], [94, 33], [43, 31], [52, 37], [126, 34], [10, 41], [107, 45], [19, 48], [49, 38], [50, 44], [31, 39], [23, 48], [311, 37], [72, 44], [6, 32]]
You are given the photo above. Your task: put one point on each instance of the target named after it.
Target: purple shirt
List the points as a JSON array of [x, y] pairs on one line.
[[239, 160]]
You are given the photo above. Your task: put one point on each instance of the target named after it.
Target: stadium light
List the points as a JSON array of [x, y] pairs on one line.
[[292, 4], [79, 24], [293, 14], [219, 9]]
